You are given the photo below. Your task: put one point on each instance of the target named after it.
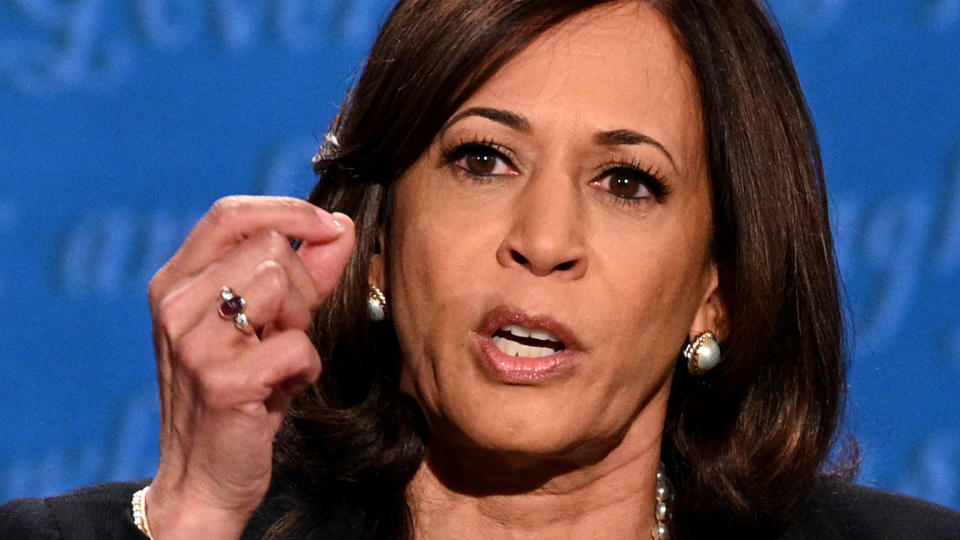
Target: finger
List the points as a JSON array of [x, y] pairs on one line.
[[269, 302], [266, 246], [326, 262], [295, 363], [272, 302], [266, 253], [285, 362], [231, 220]]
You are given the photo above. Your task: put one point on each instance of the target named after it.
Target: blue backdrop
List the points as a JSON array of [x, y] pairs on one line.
[[123, 120]]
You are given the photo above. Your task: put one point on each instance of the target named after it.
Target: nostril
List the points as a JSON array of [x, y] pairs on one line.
[[542, 265]]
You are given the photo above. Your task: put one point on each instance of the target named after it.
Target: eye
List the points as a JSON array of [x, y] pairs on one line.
[[630, 183], [482, 160]]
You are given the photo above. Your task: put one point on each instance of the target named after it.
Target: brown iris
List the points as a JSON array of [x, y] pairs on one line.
[[625, 187], [482, 164]]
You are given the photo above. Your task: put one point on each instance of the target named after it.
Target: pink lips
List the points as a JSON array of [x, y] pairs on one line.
[[521, 370]]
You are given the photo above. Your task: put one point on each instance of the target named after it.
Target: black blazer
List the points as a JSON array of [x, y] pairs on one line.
[[835, 510]]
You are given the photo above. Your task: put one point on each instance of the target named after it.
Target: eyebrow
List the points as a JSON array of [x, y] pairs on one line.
[[514, 121], [507, 118], [627, 136]]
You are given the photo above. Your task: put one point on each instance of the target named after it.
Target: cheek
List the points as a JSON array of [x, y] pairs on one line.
[[445, 237], [434, 257], [652, 290], [436, 261]]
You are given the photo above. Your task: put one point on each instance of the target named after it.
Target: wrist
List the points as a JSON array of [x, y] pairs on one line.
[[139, 508], [169, 516]]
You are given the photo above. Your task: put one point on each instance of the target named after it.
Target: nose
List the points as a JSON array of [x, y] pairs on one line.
[[547, 233]]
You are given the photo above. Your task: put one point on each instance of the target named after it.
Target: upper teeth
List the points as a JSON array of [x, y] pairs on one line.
[[513, 348], [520, 331]]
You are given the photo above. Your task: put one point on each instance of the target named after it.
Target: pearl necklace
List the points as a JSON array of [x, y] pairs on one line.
[[661, 512]]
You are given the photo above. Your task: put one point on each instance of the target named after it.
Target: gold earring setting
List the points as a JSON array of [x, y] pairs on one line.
[[377, 304], [702, 353]]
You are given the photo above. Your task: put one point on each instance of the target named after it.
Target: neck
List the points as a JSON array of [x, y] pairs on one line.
[[612, 496]]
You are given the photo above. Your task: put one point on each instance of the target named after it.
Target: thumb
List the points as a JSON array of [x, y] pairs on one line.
[[326, 261]]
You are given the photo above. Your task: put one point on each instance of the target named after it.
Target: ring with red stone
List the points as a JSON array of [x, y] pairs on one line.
[[231, 307]]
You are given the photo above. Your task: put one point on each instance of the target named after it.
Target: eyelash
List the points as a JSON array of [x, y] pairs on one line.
[[648, 176], [464, 148]]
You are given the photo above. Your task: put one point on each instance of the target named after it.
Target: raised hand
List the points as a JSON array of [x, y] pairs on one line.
[[223, 389]]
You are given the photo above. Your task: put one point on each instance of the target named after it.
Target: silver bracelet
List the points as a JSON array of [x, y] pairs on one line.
[[139, 505]]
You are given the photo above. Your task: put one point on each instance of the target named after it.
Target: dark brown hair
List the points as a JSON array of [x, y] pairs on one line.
[[743, 444]]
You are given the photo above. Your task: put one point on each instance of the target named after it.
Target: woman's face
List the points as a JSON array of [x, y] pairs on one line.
[[549, 253]]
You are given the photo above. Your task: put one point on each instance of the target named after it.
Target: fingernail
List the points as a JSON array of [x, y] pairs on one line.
[[338, 221]]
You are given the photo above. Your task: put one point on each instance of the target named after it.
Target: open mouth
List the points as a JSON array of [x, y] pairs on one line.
[[520, 341]]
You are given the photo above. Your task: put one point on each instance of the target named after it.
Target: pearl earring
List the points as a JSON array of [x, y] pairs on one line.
[[377, 304], [702, 354]]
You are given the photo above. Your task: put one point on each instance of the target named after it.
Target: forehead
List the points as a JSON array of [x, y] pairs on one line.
[[610, 67]]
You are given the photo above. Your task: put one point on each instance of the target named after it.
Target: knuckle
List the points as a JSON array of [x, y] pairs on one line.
[[277, 245], [225, 209], [304, 353], [272, 277], [215, 392], [302, 348], [303, 321], [190, 352], [154, 289], [161, 284], [167, 315]]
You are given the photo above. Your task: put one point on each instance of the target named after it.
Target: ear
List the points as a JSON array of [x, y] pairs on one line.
[[712, 313]]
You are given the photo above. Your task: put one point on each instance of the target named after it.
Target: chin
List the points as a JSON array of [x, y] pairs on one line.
[[487, 456], [531, 434]]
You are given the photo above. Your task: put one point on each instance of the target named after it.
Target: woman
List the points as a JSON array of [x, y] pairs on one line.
[[561, 208]]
